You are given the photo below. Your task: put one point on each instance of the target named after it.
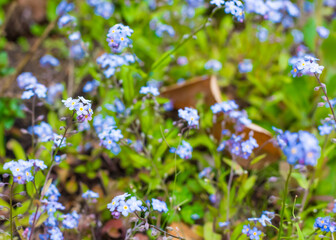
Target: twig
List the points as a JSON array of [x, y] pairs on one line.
[[29, 55], [9, 14]]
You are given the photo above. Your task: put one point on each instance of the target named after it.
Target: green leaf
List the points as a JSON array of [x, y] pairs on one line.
[[246, 187], [209, 234], [309, 32], [302, 181], [300, 234], [46, 187], [17, 149]]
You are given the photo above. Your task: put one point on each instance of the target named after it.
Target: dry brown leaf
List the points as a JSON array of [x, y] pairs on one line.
[[114, 228], [184, 231]]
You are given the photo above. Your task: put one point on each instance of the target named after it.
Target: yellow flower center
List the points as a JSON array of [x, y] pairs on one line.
[[255, 233], [125, 207], [122, 39], [293, 150]]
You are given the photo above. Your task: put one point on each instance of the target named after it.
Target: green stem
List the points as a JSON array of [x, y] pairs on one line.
[[11, 211], [182, 42], [326, 95], [284, 202]]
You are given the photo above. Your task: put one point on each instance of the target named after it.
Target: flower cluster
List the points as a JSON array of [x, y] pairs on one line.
[[118, 37], [245, 66], [51, 206], [224, 107], [229, 108], [190, 115], [90, 195], [251, 233], [325, 224], [274, 11], [102, 8], [125, 204], [300, 148], [29, 83], [213, 64], [236, 8], [327, 127], [184, 150], [23, 171], [109, 138], [150, 90], [238, 147], [111, 62], [306, 66], [81, 106]]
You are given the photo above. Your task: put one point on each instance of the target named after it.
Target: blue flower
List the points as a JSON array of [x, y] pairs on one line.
[[245, 66], [21, 170], [77, 51], [161, 28], [71, 220], [150, 90], [55, 234], [48, 60], [262, 34], [65, 20], [117, 37], [25, 79], [322, 223], [306, 65], [297, 35], [254, 234], [43, 131], [53, 91], [323, 32], [159, 206], [52, 193], [224, 107], [190, 115], [134, 204], [299, 148], [90, 195], [104, 9], [90, 86], [64, 7], [236, 8], [246, 229], [38, 164], [124, 208], [35, 89], [205, 172], [213, 64], [184, 150], [218, 3], [223, 224]]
